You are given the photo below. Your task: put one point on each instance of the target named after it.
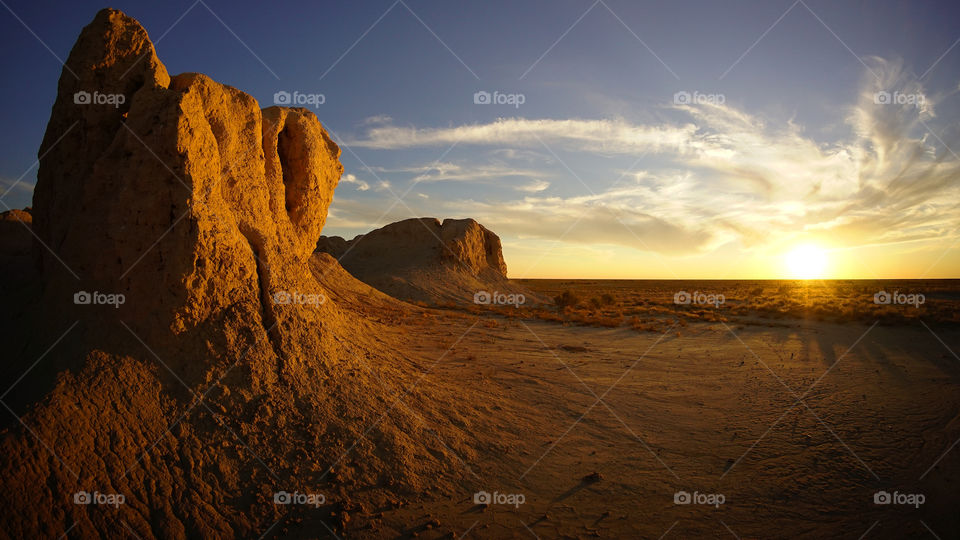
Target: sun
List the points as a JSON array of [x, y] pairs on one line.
[[806, 262]]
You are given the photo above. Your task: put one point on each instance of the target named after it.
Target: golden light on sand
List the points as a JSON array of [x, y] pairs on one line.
[[806, 262]]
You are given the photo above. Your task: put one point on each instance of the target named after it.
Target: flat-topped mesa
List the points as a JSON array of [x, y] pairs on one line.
[[178, 192], [425, 260]]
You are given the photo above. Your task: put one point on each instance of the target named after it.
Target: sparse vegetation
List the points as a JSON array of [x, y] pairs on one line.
[[565, 300]]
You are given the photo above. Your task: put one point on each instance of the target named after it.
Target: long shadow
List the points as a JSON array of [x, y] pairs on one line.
[[572, 491]]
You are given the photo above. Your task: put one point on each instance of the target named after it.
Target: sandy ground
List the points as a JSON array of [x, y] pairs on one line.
[[796, 426]]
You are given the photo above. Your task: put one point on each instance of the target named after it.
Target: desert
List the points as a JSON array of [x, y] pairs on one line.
[[205, 340]]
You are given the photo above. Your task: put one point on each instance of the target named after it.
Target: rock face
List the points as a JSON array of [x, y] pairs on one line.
[[15, 237], [16, 245], [422, 259], [198, 361], [186, 189]]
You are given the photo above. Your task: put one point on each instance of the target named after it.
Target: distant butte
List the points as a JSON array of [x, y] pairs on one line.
[[426, 260]]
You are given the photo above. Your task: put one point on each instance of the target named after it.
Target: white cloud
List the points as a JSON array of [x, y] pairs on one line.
[[614, 136], [534, 187], [721, 175], [351, 179]]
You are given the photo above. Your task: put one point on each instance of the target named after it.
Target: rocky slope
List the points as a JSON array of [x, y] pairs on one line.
[[422, 259], [179, 345]]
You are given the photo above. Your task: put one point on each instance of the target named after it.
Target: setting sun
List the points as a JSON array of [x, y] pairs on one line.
[[806, 262]]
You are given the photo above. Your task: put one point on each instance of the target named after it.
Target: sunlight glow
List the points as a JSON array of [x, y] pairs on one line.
[[806, 262]]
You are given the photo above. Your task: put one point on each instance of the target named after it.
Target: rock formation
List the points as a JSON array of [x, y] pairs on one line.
[[197, 359], [15, 238], [422, 259], [16, 245]]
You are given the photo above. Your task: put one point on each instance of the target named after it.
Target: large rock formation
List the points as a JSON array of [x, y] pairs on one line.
[[191, 357], [422, 259], [186, 198]]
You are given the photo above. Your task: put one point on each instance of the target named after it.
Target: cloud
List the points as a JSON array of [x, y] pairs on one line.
[[7, 184], [453, 172], [378, 119], [534, 187], [351, 179], [722, 176], [16, 194], [615, 136]]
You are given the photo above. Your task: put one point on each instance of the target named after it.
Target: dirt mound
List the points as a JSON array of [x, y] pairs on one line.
[[179, 347], [422, 259]]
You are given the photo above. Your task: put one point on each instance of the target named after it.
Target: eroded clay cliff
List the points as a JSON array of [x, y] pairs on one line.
[[192, 356], [423, 259]]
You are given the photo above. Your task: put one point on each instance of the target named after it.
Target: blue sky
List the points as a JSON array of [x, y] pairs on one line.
[[602, 170]]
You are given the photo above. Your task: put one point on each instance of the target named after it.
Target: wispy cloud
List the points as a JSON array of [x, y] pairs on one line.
[[721, 176], [454, 172], [616, 136]]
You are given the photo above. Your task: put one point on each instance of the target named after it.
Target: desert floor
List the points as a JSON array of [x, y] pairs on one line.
[[797, 425]]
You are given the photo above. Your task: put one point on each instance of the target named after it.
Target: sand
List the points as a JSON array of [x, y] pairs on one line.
[[712, 410]]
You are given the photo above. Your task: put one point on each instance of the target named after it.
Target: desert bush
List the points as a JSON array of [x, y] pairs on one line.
[[565, 299]]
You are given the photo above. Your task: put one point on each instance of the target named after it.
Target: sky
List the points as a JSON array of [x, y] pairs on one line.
[[598, 138]]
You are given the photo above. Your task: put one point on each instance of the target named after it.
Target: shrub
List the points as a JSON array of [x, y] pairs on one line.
[[565, 299]]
